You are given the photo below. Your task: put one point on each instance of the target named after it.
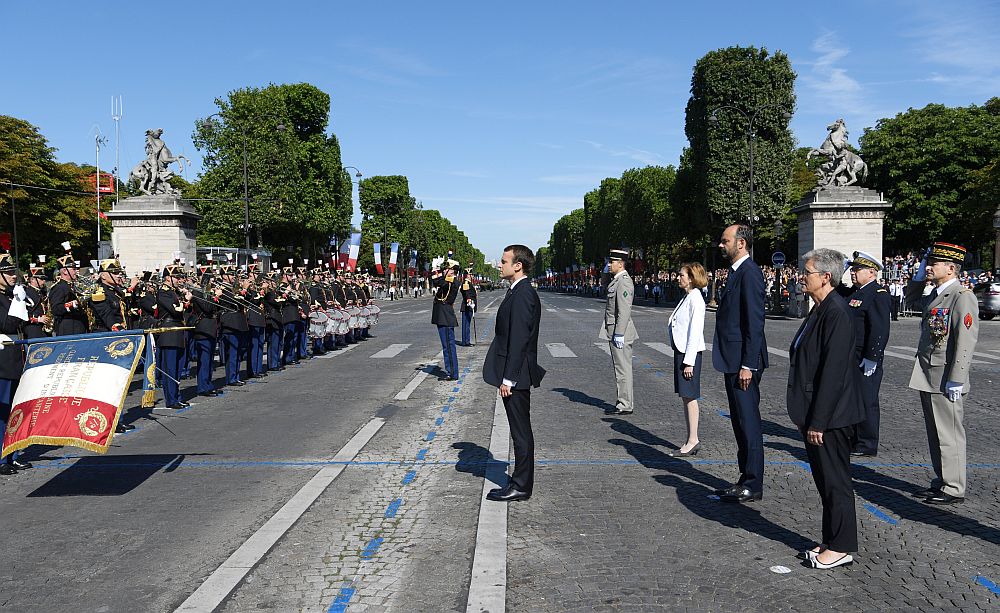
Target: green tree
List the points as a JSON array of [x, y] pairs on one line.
[[566, 242], [758, 84], [926, 162]]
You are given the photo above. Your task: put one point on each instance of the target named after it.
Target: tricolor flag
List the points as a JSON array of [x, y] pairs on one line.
[[345, 251], [355, 246], [378, 258], [413, 259], [393, 254], [72, 390]]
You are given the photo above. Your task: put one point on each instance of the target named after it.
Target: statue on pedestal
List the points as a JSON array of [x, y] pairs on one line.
[[152, 175], [843, 166]]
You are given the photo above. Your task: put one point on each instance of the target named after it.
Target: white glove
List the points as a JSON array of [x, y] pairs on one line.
[[19, 292], [953, 390], [868, 366], [619, 341], [18, 306]]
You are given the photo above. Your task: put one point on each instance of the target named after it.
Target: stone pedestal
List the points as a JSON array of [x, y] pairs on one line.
[[847, 219], [149, 230]]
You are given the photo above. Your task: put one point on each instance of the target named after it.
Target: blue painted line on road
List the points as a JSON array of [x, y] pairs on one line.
[[990, 585], [393, 508], [431, 435], [456, 389], [439, 421], [409, 477], [880, 514], [659, 374], [372, 548], [446, 408], [422, 454], [724, 414], [343, 599], [451, 399]]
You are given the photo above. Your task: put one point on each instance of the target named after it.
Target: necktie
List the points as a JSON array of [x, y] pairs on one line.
[[932, 295]]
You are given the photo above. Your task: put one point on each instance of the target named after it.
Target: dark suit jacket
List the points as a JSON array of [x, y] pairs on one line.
[[739, 322], [824, 381], [513, 354]]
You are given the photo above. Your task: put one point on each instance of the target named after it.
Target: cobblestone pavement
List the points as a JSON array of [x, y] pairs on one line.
[[614, 524]]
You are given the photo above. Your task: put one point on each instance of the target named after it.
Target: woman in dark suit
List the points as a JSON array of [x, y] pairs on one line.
[[825, 401]]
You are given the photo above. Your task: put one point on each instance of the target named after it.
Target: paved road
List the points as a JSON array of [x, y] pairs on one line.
[[614, 525]]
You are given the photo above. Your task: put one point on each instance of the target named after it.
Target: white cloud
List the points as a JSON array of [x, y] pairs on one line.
[[828, 80], [587, 180], [471, 174], [639, 155], [965, 41]]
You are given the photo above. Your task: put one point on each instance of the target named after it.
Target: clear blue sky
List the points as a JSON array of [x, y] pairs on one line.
[[502, 115]]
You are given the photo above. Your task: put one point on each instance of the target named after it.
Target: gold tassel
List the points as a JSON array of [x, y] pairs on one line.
[[148, 399]]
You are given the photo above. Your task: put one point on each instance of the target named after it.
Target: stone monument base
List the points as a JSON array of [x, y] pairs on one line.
[[847, 219], [148, 231]]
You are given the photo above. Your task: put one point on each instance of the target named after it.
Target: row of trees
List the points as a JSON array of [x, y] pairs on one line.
[[938, 165]]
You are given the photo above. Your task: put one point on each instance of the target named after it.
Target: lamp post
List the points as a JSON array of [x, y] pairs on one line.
[[242, 126], [751, 118]]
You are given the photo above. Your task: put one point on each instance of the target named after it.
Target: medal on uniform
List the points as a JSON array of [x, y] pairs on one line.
[[855, 303], [938, 320]]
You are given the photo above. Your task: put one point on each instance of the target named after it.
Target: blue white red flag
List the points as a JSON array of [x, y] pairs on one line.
[[378, 257]]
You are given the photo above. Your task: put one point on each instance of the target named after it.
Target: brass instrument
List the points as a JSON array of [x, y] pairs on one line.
[[85, 287]]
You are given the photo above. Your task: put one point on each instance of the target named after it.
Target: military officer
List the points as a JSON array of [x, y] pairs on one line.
[[871, 304], [68, 308], [619, 330], [443, 314], [108, 302], [949, 329], [39, 323], [469, 304]]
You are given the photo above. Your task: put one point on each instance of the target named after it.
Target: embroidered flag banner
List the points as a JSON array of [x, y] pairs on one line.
[[378, 258], [352, 257], [393, 254], [72, 391]]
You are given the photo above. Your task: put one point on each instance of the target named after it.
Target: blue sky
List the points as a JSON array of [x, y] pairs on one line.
[[502, 115]]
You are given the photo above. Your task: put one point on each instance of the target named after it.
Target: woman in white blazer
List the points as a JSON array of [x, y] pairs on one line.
[[686, 329]]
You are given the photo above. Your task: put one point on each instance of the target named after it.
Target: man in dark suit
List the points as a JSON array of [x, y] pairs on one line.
[[739, 352], [512, 366]]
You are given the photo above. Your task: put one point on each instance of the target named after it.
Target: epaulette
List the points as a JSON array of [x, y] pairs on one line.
[[882, 289]]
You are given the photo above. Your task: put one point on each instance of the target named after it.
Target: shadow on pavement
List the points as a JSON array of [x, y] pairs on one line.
[[107, 475], [479, 462], [581, 398]]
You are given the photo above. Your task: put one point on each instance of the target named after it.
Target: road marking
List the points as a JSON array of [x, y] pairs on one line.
[[779, 352], [560, 350], [421, 312], [224, 580], [593, 311], [400, 312], [391, 351], [663, 348], [491, 303], [416, 381], [605, 346], [900, 355], [333, 354], [914, 350], [488, 587], [572, 310]]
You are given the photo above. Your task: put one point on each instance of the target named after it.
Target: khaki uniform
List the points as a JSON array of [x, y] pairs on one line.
[[618, 320], [948, 334]]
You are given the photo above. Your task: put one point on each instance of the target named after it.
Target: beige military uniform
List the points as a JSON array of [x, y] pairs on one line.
[[948, 334], [618, 320]]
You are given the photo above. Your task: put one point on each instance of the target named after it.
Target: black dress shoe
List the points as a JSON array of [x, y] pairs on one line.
[[209, 394], [19, 465], [179, 405], [926, 493], [237, 384], [722, 491], [124, 428], [742, 494], [864, 454], [622, 412], [7, 469], [942, 498], [507, 494]]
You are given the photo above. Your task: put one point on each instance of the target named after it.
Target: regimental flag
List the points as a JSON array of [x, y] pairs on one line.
[[393, 254], [72, 391], [353, 248], [378, 258], [345, 251]]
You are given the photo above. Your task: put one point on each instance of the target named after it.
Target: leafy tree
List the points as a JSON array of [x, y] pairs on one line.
[[567, 241], [758, 84], [926, 162]]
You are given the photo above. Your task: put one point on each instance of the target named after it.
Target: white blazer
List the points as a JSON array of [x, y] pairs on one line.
[[686, 327]]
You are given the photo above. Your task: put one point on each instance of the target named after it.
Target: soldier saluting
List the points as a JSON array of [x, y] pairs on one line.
[[67, 307]]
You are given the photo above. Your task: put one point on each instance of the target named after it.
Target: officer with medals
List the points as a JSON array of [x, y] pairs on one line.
[[872, 306], [205, 309], [256, 321], [274, 305], [172, 300], [234, 328], [443, 314], [469, 305], [949, 329], [39, 324], [68, 308], [619, 330], [11, 363]]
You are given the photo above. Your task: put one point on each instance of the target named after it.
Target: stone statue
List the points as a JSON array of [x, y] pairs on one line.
[[153, 174], [843, 166]]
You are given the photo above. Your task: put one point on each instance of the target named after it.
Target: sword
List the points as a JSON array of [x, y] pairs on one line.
[[475, 334]]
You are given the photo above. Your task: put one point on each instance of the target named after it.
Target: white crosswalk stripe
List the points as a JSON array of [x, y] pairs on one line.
[[604, 345], [391, 351], [560, 350], [593, 311], [572, 310], [421, 312], [663, 348], [976, 353]]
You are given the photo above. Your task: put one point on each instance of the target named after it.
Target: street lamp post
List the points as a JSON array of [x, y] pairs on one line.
[[751, 137]]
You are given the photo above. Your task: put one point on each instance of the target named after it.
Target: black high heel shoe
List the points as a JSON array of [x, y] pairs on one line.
[[685, 454]]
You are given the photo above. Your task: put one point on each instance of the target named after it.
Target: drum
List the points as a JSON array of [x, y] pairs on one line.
[[373, 318], [354, 313], [343, 324], [365, 317], [333, 321], [317, 324]]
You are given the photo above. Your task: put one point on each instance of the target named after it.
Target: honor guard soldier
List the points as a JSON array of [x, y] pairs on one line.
[[233, 325], [872, 306], [172, 300], [205, 307], [68, 308], [108, 302], [619, 330], [443, 314], [469, 304], [11, 357], [39, 323], [949, 329]]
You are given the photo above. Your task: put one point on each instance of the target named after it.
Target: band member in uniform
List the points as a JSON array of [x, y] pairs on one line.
[[469, 305], [68, 308], [290, 318], [443, 314], [274, 305], [171, 303], [871, 305], [11, 360], [39, 324], [317, 302], [205, 306], [619, 330], [257, 323], [949, 330], [108, 303], [233, 325]]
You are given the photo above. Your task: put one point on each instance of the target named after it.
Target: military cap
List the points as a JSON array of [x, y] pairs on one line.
[[7, 263], [947, 252], [173, 270], [618, 254], [111, 265], [865, 260]]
